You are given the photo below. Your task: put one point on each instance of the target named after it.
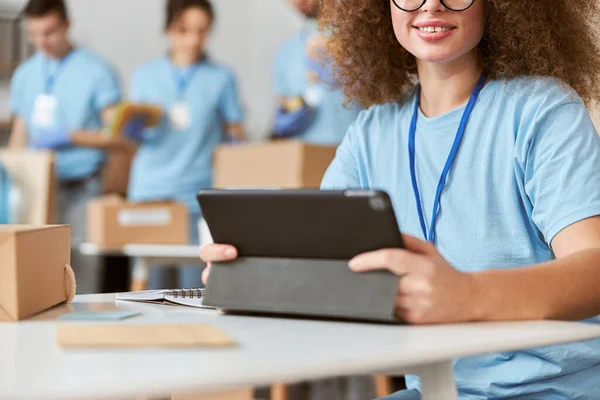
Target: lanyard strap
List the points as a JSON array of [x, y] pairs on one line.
[[449, 162], [51, 78], [184, 78]]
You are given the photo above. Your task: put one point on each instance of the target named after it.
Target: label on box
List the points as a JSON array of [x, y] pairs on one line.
[[147, 217]]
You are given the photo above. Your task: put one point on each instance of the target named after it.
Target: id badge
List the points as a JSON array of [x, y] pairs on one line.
[[44, 111], [314, 95], [180, 116]]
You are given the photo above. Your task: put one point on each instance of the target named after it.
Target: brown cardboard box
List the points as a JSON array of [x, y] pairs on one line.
[[280, 164], [115, 174], [113, 222], [33, 171], [32, 269]]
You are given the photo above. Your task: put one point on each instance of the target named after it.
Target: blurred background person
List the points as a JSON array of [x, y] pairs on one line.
[[202, 110], [60, 99], [311, 107]]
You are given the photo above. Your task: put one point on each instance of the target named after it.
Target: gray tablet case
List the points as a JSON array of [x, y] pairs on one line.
[[294, 248], [288, 287]]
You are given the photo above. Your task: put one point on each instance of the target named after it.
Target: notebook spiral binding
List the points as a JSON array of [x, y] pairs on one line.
[[187, 293]]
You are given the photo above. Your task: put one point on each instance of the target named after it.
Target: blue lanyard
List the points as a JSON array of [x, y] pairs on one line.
[[183, 79], [51, 78], [451, 157]]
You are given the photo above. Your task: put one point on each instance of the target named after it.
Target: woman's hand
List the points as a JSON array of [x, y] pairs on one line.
[[430, 289], [216, 253]]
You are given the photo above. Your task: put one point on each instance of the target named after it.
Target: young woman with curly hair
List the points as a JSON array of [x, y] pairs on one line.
[[478, 130]]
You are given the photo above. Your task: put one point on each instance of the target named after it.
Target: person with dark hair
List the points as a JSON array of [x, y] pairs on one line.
[[202, 109], [477, 109], [311, 106], [60, 99], [41, 8]]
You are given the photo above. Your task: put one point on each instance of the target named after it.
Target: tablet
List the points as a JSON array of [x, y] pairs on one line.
[[294, 248], [301, 223]]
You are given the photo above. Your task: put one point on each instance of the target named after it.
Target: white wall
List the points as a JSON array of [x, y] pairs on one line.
[[246, 37]]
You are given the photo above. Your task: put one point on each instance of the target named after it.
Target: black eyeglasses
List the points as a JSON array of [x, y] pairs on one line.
[[452, 5]]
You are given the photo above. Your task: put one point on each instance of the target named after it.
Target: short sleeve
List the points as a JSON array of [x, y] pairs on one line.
[[343, 173], [562, 169], [108, 89], [229, 102]]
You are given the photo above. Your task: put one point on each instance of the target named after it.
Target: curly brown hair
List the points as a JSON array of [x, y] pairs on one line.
[[556, 38]]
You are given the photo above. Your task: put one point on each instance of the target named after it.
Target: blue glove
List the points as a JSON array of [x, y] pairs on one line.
[[292, 123], [232, 140], [50, 138], [134, 128]]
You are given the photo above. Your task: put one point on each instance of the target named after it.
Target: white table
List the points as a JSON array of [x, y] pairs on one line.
[[146, 255], [270, 350]]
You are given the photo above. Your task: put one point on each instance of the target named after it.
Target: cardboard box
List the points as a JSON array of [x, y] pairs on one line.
[[113, 222], [32, 269], [279, 164], [33, 172], [116, 171]]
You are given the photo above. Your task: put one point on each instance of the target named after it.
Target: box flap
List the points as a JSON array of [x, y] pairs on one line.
[[111, 199], [13, 229]]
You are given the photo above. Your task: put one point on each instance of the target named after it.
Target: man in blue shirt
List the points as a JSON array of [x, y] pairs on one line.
[[60, 99], [311, 108]]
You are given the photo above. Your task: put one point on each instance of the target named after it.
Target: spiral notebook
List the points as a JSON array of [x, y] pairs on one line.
[[175, 297]]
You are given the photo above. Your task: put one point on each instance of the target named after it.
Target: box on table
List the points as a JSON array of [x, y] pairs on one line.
[[33, 172], [285, 164], [32, 269], [114, 222]]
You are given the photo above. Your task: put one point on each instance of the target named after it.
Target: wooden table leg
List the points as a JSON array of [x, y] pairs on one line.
[[141, 271], [280, 392], [383, 386]]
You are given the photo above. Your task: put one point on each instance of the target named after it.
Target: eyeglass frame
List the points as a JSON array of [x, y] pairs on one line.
[[425, 1]]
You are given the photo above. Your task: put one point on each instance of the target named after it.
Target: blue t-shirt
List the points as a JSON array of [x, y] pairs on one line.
[[84, 86], [332, 117], [172, 163], [528, 167]]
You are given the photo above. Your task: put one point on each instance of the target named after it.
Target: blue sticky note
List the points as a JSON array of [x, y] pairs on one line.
[[99, 315]]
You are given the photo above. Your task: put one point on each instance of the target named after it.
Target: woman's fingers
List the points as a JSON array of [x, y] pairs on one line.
[[218, 253]]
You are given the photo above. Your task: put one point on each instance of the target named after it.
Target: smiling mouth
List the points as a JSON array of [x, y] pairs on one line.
[[434, 29]]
